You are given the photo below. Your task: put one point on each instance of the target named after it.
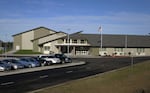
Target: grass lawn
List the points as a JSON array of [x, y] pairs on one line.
[[126, 80], [26, 52]]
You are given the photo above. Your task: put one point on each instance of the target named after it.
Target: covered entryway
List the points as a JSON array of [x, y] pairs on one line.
[[82, 50], [74, 50], [64, 49]]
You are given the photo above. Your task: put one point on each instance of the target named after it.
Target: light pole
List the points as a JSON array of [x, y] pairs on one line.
[[126, 43], [68, 43]]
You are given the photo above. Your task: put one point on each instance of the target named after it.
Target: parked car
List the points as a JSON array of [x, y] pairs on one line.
[[4, 66], [48, 60], [63, 58], [14, 64], [26, 64], [31, 61], [36, 58]]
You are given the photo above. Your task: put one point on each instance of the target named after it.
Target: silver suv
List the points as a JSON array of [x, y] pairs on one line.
[[48, 60]]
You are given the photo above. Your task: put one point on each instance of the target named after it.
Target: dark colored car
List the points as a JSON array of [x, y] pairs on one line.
[[63, 58]]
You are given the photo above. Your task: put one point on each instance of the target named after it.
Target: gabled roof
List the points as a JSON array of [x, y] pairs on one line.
[[34, 29], [115, 40]]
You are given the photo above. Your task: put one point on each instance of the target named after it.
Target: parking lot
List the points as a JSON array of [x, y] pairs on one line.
[[49, 75], [14, 63], [26, 70]]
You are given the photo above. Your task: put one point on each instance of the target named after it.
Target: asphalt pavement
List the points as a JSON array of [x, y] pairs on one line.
[[25, 82]]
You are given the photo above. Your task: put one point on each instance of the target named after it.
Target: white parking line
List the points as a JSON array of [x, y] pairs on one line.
[[7, 83], [44, 76], [69, 71]]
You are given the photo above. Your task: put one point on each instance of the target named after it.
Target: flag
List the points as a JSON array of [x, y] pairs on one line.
[[100, 29]]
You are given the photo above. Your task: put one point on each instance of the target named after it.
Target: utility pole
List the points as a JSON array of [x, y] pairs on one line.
[[126, 43]]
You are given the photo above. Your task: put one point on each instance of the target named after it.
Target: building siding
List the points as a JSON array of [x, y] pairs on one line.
[[42, 32], [51, 37], [36, 47], [60, 41], [26, 40], [147, 51], [17, 42], [94, 51], [53, 48]]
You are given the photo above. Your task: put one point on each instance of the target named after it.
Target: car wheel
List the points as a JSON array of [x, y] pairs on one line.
[[15, 68], [63, 62], [42, 64], [49, 63], [30, 66]]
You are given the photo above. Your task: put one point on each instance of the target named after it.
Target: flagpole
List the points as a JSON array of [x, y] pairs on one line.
[[101, 39]]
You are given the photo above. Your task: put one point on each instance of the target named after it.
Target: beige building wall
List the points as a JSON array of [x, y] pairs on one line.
[[51, 37], [110, 51], [17, 42], [42, 32], [52, 47], [36, 48], [126, 51], [60, 41], [26, 40], [94, 51], [147, 51]]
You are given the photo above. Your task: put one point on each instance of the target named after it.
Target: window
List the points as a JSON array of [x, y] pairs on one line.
[[74, 41], [46, 48], [83, 41], [140, 50]]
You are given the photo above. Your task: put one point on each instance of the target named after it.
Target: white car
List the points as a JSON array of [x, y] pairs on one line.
[[49, 59]]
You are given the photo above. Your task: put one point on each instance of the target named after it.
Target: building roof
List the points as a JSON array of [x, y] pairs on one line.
[[34, 29], [115, 40]]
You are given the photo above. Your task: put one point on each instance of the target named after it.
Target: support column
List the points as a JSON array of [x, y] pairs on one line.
[[74, 50], [59, 49]]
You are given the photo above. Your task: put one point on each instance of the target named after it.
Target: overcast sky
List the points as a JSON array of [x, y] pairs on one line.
[[115, 16]]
